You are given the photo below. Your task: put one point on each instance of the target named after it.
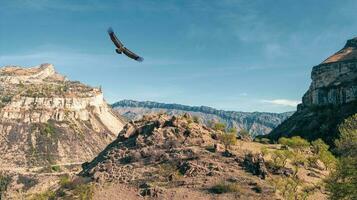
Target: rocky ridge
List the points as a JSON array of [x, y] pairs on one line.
[[160, 154], [257, 123], [47, 119], [173, 157]]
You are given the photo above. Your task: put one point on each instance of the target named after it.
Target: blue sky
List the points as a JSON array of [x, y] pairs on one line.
[[246, 55]]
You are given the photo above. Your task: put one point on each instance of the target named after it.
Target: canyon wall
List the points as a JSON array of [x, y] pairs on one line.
[[46, 119]]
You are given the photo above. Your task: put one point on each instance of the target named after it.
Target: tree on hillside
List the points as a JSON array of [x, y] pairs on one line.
[[219, 126], [228, 139], [342, 183], [295, 142]]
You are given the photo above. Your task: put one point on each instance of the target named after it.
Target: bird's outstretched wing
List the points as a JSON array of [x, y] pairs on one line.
[[114, 38], [132, 55]]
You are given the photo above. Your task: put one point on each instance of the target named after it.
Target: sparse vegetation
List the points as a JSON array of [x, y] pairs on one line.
[[280, 158], [295, 142], [244, 133], [228, 139], [84, 192], [27, 181], [48, 129], [342, 182], [56, 168], [291, 188], [78, 188], [169, 172], [196, 119], [65, 182], [262, 140], [219, 126], [226, 187], [4, 183], [47, 195], [320, 149]]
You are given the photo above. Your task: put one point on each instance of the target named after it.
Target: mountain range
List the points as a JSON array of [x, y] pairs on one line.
[[257, 123]]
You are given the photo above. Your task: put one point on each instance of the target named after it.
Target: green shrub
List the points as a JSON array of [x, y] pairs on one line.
[[219, 126], [56, 168], [49, 129], [264, 150], [228, 139], [66, 182], [342, 182], [225, 187], [295, 142], [320, 149], [346, 145], [288, 188], [169, 172], [6, 99], [280, 157], [48, 195], [196, 119], [84, 192], [264, 140], [244, 133], [4, 183]]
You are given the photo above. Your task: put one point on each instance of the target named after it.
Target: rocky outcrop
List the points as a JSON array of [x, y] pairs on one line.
[[47, 119], [257, 123], [331, 98], [162, 156]]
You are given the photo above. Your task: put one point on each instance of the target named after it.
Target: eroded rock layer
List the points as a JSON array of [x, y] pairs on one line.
[[46, 119]]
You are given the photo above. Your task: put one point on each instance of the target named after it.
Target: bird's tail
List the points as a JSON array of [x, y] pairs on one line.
[[110, 30], [140, 59]]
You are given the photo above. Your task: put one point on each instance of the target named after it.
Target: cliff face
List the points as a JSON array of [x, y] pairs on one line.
[[334, 80], [47, 119], [256, 123], [331, 97]]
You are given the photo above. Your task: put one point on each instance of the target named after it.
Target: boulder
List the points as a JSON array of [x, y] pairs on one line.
[[255, 164]]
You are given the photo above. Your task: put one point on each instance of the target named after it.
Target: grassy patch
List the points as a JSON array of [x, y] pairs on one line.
[[48, 195]]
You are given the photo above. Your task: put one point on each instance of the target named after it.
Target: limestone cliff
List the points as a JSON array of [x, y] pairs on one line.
[[331, 98], [47, 119]]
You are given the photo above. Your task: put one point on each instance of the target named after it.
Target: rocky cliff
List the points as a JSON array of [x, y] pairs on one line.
[[331, 98], [257, 123], [46, 119]]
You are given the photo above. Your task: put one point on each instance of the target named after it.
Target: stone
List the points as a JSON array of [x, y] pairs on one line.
[[255, 164]]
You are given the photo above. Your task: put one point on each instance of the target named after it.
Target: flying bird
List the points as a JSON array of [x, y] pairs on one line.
[[120, 47]]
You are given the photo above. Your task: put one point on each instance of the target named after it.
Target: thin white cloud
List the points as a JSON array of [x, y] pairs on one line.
[[244, 94], [282, 102]]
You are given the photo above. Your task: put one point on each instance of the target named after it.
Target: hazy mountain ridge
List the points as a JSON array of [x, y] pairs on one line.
[[258, 123]]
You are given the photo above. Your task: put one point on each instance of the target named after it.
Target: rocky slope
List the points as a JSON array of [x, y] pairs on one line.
[[172, 157], [331, 98], [46, 119], [257, 123]]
